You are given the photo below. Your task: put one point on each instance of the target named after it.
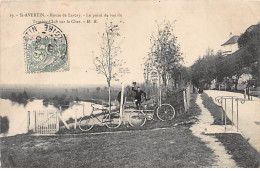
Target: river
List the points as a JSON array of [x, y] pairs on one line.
[[18, 114]]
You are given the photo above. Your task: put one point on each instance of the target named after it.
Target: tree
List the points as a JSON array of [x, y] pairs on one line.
[[249, 44], [205, 69], [229, 69], [165, 53], [180, 75], [197, 72], [98, 89], [233, 65], [13, 96], [25, 95], [77, 99], [107, 61], [4, 124]]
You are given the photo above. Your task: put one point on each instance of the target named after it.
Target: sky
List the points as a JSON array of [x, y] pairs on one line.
[[199, 25]]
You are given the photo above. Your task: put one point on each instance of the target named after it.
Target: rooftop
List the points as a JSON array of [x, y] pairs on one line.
[[232, 40]]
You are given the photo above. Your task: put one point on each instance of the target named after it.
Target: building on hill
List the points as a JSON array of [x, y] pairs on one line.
[[242, 61], [230, 46]]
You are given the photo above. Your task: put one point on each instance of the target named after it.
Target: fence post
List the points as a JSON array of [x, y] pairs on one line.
[[232, 112], [237, 114], [39, 122], [83, 109], [184, 101], [225, 114], [28, 121], [221, 110], [57, 122], [122, 100], [188, 96], [224, 108], [75, 118], [35, 122], [59, 114]]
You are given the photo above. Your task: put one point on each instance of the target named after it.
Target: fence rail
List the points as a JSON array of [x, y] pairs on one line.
[[44, 121], [222, 100]]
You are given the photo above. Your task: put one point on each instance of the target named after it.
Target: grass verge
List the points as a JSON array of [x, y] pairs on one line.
[[214, 109], [156, 123], [242, 152], [173, 147]]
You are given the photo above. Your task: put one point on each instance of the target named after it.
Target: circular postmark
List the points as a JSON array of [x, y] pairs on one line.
[[46, 48]]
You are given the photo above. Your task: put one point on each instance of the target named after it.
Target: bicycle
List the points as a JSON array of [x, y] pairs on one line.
[[164, 112], [111, 120]]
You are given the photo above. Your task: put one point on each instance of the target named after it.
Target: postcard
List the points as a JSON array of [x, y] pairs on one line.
[[129, 84]]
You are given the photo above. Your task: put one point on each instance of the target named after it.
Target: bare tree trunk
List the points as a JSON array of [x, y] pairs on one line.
[[109, 98], [164, 79], [236, 85], [160, 91]]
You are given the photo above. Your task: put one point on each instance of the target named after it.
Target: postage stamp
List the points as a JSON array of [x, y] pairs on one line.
[[46, 49]]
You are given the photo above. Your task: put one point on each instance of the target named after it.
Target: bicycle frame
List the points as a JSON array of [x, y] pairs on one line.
[[143, 110], [109, 123], [95, 116]]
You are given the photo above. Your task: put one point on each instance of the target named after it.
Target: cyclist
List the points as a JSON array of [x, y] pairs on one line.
[[138, 95]]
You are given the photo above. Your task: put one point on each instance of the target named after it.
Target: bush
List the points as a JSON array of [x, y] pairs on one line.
[[21, 98], [4, 122], [174, 97]]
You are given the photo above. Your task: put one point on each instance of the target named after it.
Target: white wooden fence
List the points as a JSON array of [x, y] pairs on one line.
[[44, 121]]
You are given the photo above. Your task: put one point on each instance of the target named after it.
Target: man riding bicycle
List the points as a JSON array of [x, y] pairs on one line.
[[138, 95]]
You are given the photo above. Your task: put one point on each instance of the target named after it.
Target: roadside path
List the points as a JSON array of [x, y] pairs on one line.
[[223, 159], [249, 116]]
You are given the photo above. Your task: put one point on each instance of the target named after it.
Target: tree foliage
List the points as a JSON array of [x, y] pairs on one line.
[[165, 53], [249, 43], [4, 124], [98, 89], [107, 60], [204, 70], [223, 68], [21, 98]]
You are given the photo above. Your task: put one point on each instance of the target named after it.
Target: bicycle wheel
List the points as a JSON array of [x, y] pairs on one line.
[[137, 119], [113, 120], [86, 123], [165, 112], [149, 114]]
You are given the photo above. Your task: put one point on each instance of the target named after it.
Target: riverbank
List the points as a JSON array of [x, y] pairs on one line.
[[161, 144], [172, 146]]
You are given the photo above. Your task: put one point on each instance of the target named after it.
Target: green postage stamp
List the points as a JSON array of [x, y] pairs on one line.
[[46, 49]]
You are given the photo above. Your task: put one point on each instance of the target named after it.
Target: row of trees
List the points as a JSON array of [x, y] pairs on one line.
[[98, 89], [21, 98], [60, 101], [230, 68], [206, 69], [164, 58]]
